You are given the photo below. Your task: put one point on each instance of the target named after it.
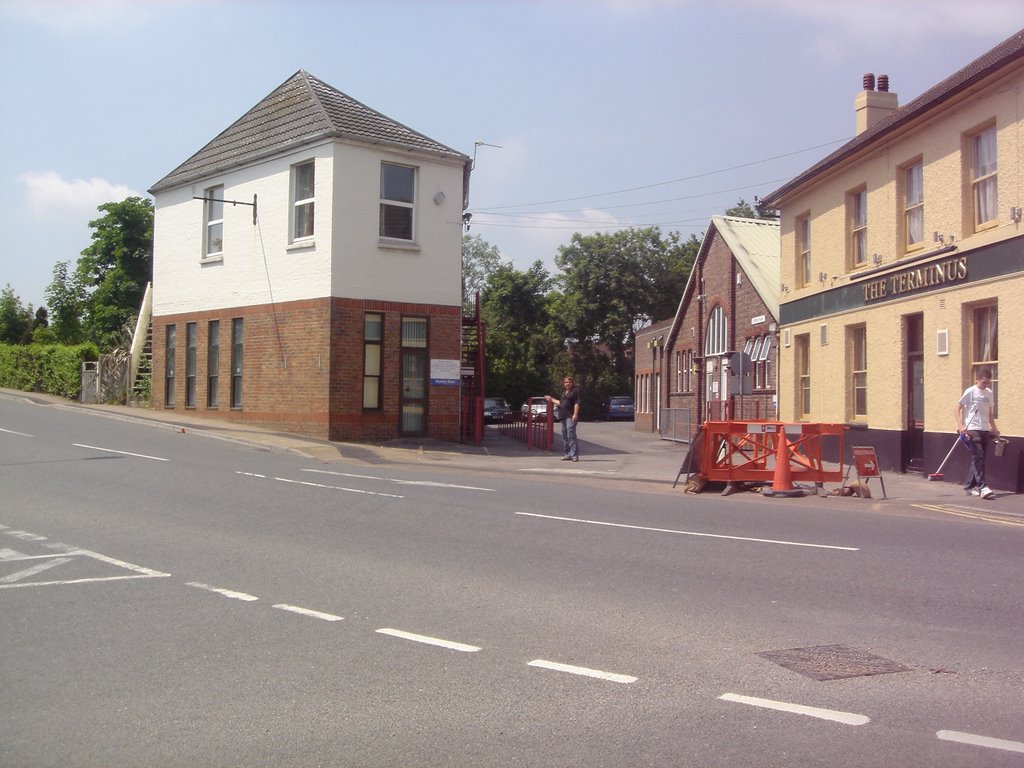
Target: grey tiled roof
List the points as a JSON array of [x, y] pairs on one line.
[[303, 109], [1006, 53]]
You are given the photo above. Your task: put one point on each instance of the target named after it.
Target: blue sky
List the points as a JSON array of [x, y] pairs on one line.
[[608, 113]]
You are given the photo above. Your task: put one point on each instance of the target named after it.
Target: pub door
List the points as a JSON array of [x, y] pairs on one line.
[[913, 432]]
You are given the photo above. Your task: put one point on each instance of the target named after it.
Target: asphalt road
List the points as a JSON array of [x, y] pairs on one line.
[[171, 600]]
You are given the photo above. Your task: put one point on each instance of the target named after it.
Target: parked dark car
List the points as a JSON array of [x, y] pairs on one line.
[[619, 407], [495, 409]]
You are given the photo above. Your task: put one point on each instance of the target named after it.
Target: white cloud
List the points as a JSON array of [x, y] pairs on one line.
[[73, 17], [51, 195]]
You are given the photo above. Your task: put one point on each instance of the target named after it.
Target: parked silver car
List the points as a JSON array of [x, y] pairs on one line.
[[538, 406]]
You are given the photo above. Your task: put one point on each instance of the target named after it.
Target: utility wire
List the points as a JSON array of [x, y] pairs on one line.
[[672, 181]]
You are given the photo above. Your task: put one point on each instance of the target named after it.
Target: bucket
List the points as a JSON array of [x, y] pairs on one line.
[[999, 444]]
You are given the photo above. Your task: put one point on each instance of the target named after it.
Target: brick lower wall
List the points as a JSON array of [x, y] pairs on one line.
[[303, 368]]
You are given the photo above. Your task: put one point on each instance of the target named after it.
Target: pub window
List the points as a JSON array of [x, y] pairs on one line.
[[857, 214], [858, 362], [913, 205], [984, 345], [984, 179], [803, 239], [802, 348]]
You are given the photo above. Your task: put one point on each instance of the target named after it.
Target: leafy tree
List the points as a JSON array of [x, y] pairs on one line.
[[742, 210], [15, 318], [614, 284], [66, 297], [480, 260], [522, 349], [115, 268]]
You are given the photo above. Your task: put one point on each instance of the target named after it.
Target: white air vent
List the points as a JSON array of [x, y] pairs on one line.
[[824, 335], [942, 342], [785, 338]]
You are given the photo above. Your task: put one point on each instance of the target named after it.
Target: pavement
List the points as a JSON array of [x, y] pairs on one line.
[[610, 452]]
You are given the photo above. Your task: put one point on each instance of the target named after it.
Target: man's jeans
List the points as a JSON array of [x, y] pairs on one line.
[[979, 444], [569, 438]]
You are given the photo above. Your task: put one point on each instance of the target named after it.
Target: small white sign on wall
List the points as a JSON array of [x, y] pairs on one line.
[[445, 373]]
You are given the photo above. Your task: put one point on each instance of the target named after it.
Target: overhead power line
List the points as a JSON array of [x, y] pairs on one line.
[[672, 181]]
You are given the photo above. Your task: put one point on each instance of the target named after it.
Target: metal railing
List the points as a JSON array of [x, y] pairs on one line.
[[676, 425], [535, 431]]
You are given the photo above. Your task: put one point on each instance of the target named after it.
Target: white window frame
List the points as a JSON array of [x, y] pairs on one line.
[[391, 202], [913, 205], [803, 237], [858, 213], [858, 360], [213, 216], [984, 177], [303, 209]]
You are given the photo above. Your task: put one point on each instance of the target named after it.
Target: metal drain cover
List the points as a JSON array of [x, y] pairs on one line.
[[833, 662]]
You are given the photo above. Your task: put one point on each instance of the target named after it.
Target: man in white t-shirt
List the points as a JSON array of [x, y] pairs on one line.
[[973, 415]]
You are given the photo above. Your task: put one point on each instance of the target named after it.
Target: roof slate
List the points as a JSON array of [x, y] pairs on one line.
[[303, 109], [1004, 54]]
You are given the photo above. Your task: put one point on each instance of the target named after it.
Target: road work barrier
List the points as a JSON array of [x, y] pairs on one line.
[[771, 452]]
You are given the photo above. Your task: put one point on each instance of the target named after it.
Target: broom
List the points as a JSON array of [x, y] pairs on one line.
[[961, 439]]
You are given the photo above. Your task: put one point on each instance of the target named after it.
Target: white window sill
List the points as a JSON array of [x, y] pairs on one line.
[[216, 258], [397, 245], [301, 245]]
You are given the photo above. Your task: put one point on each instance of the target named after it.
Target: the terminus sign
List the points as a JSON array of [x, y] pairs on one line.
[[910, 280]]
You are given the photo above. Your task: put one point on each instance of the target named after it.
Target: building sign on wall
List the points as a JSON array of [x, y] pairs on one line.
[[911, 280], [445, 373]]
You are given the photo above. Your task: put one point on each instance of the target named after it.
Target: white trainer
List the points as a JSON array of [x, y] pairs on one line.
[[986, 493]]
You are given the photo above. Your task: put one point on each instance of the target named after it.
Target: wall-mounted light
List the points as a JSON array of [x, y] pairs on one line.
[[1016, 214], [877, 258], [937, 238], [784, 288], [822, 277]]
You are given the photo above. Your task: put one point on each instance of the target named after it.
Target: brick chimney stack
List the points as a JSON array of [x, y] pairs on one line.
[[874, 105]]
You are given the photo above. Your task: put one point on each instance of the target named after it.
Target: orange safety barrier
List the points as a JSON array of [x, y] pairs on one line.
[[769, 452]]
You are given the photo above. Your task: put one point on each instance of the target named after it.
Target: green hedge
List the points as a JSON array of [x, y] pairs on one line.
[[54, 369]]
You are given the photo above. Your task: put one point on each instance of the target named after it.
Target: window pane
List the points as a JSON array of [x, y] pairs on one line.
[[766, 348], [985, 153], [396, 222], [371, 392], [414, 332], [397, 182], [371, 360], [304, 220], [373, 327], [304, 181]]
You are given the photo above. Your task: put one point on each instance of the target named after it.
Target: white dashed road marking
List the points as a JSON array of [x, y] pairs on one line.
[[846, 718], [225, 592], [426, 483], [308, 612], [428, 640], [688, 533], [981, 741], [613, 677], [122, 453]]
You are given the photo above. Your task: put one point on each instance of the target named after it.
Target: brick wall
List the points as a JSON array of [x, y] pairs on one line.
[[303, 367]]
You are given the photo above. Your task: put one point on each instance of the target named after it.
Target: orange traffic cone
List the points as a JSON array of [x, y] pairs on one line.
[[782, 481]]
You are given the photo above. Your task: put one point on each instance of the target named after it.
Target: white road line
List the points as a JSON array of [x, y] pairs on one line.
[[980, 741], [308, 612], [846, 718], [567, 471], [225, 592], [13, 554], [69, 550], [122, 453], [12, 432], [613, 677], [426, 483], [37, 568], [689, 533], [338, 488], [429, 640]]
